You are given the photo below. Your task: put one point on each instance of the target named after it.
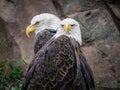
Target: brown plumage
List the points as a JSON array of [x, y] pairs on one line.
[[54, 67], [60, 64], [41, 38]]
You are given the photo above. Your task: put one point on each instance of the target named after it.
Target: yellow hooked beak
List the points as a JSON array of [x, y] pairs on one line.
[[67, 27], [30, 29]]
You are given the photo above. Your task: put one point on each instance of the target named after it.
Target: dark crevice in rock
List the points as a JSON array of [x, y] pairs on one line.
[[87, 14], [104, 55], [12, 2], [58, 9], [111, 1], [113, 15]]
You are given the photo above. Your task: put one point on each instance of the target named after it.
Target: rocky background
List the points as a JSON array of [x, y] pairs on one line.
[[100, 26]]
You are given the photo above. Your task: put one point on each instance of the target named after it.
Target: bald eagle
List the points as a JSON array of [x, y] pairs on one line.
[[60, 64], [45, 26]]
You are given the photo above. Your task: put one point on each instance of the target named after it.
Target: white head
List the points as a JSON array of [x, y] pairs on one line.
[[70, 28], [41, 22]]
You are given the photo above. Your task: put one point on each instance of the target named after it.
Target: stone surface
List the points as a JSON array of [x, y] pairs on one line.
[[100, 41], [101, 68], [70, 6], [101, 38], [17, 15], [9, 50]]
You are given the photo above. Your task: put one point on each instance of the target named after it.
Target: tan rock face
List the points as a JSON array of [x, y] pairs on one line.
[[101, 39], [9, 50], [17, 15]]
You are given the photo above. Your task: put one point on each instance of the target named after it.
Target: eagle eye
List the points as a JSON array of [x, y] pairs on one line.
[[72, 25], [37, 22], [62, 25]]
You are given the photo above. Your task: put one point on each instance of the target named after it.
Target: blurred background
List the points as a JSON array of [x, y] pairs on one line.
[[100, 25]]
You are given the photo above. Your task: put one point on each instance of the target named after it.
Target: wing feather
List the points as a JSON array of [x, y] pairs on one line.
[[87, 72], [84, 78], [41, 38], [53, 65], [56, 67]]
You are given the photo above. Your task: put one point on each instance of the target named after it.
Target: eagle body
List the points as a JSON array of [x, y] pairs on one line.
[[41, 38], [59, 63], [57, 67]]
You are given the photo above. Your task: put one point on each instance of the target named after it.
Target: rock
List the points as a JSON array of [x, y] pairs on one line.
[[97, 23], [100, 67], [9, 50], [70, 7], [101, 39], [17, 15]]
